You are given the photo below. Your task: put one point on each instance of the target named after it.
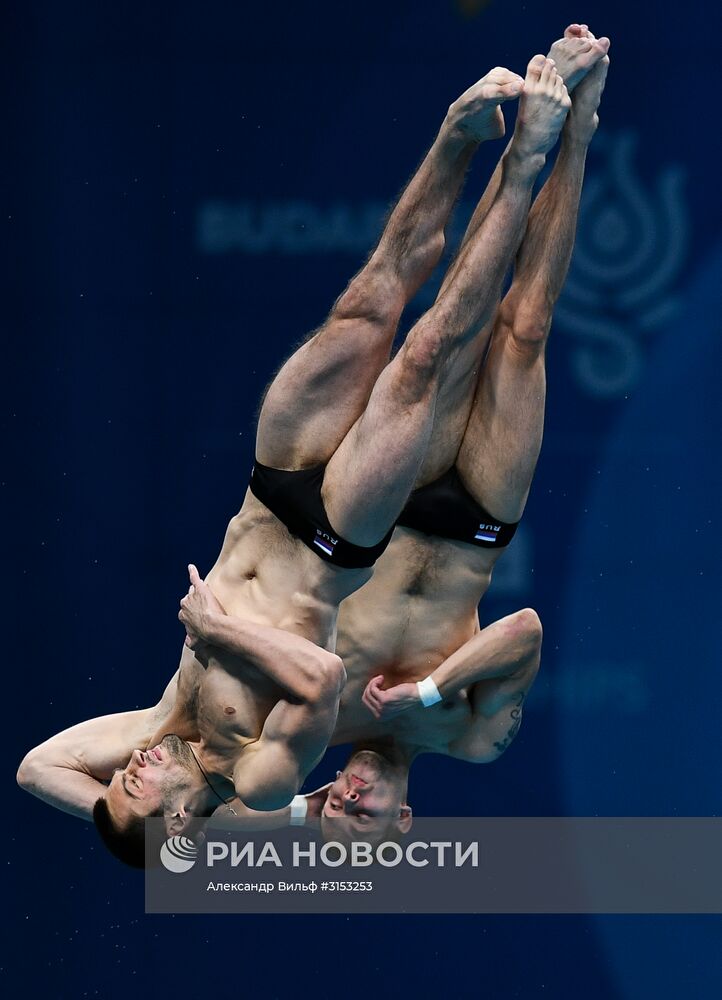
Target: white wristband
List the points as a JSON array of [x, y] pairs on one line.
[[299, 808], [428, 692]]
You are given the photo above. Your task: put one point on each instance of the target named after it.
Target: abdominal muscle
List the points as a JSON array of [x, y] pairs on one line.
[[418, 609], [265, 576]]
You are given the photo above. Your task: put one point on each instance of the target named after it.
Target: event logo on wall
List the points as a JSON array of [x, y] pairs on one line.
[[631, 244]]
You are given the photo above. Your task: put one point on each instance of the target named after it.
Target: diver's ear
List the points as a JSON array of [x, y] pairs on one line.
[[406, 819]]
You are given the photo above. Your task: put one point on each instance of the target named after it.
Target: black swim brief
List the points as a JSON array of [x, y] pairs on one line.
[[295, 499], [445, 508]]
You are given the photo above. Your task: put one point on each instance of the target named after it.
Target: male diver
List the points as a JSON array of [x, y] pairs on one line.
[[341, 439], [422, 676]]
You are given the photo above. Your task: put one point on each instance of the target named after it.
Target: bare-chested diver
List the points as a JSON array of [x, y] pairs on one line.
[[417, 619], [341, 439]]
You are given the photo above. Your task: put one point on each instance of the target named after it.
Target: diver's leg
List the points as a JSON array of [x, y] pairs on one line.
[[369, 478], [324, 387], [501, 445]]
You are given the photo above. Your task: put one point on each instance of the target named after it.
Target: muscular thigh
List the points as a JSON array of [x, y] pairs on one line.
[[453, 407], [426, 389], [373, 471], [317, 395], [325, 385], [452, 410], [501, 444]]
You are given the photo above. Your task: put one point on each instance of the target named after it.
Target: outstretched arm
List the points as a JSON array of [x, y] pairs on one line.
[[68, 771], [294, 663]]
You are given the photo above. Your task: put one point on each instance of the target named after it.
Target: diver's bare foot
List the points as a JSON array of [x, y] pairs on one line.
[[576, 53], [542, 109], [476, 113], [583, 118]]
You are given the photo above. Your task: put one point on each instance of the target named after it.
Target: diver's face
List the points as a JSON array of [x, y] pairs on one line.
[[150, 780], [367, 793]]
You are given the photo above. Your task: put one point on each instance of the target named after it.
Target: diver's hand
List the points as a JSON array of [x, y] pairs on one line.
[[198, 609], [391, 702]]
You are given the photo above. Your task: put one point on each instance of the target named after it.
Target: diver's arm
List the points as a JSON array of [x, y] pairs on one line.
[[293, 662], [68, 770], [498, 693], [501, 650]]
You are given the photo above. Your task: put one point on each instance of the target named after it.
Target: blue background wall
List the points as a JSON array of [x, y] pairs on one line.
[[188, 188]]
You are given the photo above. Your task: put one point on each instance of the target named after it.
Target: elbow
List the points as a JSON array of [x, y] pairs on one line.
[[479, 753], [325, 678], [268, 792], [328, 678], [333, 673], [265, 800], [28, 773], [483, 757], [526, 627], [485, 752]]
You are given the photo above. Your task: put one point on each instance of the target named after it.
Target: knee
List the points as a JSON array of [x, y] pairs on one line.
[[420, 361], [532, 335], [373, 297], [528, 323]]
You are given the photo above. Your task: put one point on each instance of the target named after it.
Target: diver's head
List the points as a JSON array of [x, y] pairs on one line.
[[369, 798], [164, 781]]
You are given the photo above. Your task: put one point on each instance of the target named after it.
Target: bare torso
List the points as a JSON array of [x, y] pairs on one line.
[[265, 576], [418, 609], [217, 699]]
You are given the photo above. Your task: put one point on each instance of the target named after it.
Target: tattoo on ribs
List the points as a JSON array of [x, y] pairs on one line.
[[501, 745]]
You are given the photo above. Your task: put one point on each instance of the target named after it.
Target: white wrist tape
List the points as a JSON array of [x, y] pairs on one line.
[[428, 692], [299, 808]]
